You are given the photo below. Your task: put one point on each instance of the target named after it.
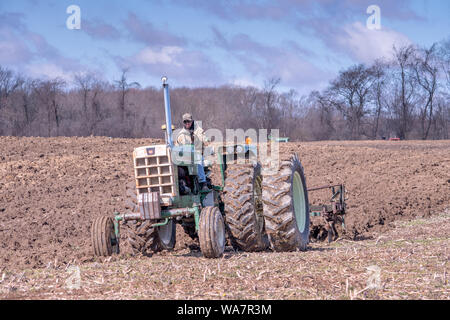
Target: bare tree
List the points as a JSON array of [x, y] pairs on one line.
[[8, 84], [290, 112], [401, 104], [89, 84], [351, 91], [407, 96], [98, 90], [426, 73], [47, 92], [250, 102], [442, 115], [441, 119], [444, 57], [84, 81], [124, 87], [378, 88], [270, 114], [323, 104], [25, 92]]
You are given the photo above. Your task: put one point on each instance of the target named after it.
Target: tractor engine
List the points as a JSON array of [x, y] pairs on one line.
[[154, 173]]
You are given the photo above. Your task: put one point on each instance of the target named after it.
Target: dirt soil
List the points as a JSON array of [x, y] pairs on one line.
[[409, 261], [50, 190]]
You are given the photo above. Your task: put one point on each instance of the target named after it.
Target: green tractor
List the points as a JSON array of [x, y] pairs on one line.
[[251, 209]]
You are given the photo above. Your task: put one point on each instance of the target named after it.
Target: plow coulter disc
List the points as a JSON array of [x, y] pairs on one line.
[[286, 208], [167, 235], [103, 237]]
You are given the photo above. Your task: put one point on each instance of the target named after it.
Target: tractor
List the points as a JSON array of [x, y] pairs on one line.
[[252, 208]]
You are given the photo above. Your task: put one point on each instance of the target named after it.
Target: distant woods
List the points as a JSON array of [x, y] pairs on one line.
[[406, 96]]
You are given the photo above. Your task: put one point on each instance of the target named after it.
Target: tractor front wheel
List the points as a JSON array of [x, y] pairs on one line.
[[103, 237], [211, 232]]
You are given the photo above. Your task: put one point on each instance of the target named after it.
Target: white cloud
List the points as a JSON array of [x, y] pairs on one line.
[[368, 45], [50, 71], [13, 52], [244, 82], [190, 67], [166, 55]]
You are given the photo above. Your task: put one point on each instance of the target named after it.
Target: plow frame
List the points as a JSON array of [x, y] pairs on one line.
[[332, 213]]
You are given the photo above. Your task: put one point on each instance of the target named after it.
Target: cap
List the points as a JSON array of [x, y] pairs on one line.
[[187, 116]]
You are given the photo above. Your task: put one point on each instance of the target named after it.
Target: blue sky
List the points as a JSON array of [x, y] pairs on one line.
[[201, 42]]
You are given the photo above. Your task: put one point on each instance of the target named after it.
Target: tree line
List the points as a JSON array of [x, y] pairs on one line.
[[406, 96]]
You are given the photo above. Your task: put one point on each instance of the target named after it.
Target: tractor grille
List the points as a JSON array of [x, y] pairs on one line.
[[154, 171]]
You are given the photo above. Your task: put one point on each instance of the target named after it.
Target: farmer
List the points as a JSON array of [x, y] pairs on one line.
[[194, 135]]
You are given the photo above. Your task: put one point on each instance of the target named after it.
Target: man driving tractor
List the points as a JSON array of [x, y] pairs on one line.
[[194, 135]]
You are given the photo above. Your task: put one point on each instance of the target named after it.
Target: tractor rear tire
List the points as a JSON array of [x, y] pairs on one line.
[[142, 238], [286, 207], [103, 237], [243, 207], [211, 232]]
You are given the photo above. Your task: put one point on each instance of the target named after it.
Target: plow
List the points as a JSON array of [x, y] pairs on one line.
[[332, 214], [251, 209]]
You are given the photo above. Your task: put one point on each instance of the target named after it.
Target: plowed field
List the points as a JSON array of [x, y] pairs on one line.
[[51, 188]]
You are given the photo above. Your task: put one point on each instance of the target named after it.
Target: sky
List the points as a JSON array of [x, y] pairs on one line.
[[212, 42]]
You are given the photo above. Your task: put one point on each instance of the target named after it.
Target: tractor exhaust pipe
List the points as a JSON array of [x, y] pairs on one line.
[[167, 110]]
